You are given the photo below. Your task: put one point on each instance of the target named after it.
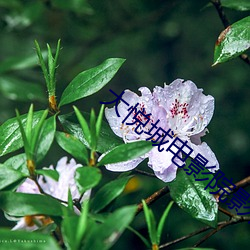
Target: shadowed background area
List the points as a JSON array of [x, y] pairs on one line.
[[161, 41]]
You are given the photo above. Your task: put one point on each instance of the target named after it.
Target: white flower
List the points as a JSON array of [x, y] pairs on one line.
[[180, 107], [188, 112], [58, 189]]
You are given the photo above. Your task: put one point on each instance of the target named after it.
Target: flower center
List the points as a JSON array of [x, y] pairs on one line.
[[180, 110], [142, 117]]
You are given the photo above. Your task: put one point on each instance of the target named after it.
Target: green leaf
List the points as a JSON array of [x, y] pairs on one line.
[[52, 65], [46, 138], [69, 230], [16, 240], [192, 198], [20, 204], [8, 176], [28, 126], [43, 65], [108, 193], [18, 162], [19, 90], [37, 132], [87, 177], [53, 69], [47, 229], [99, 121], [92, 127], [70, 201], [10, 136], [126, 152], [241, 5], [73, 146], [22, 131], [107, 138], [153, 233], [233, 41], [162, 221], [74, 228], [53, 174], [143, 239], [82, 223], [151, 223], [105, 235], [90, 81], [84, 125]]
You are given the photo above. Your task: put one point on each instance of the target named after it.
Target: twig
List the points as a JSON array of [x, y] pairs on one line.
[[144, 173], [42, 192], [226, 23], [221, 225], [224, 211], [235, 220], [152, 198], [222, 15], [245, 58], [204, 229], [242, 183]]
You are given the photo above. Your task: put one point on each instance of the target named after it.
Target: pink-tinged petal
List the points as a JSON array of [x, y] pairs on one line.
[[64, 165], [146, 93], [29, 187], [125, 166], [122, 129], [114, 121], [146, 99], [168, 174], [206, 151], [86, 196], [59, 189], [159, 113], [161, 163], [48, 185], [189, 110], [196, 139]]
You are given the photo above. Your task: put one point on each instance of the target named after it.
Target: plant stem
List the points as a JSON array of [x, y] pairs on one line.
[[144, 173], [236, 220], [152, 198]]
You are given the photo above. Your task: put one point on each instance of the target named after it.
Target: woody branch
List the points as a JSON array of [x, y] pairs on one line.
[[234, 219]]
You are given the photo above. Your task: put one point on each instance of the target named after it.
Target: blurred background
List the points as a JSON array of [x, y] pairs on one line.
[[161, 41]]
